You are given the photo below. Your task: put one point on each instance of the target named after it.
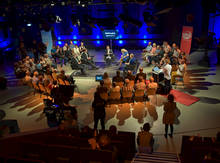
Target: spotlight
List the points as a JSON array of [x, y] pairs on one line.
[[52, 3], [29, 24], [83, 5], [79, 2]]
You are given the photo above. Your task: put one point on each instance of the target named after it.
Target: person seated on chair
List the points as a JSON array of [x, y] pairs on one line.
[[35, 77], [127, 86], [82, 47], [77, 52], [76, 64], [117, 78], [130, 65], [130, 76], [102, 90], [181, 68], [86, 59], [141, 73], [124, 56], [152, 84], [145, 139], [140, 85], [115, 88], [109, 56], [147, 49], [27, 78], [62, 75], [107, 81]]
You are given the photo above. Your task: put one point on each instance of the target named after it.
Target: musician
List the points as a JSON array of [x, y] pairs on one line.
[[109, 56], [86, 59], [130, 65], [76, 64], [124, 56]]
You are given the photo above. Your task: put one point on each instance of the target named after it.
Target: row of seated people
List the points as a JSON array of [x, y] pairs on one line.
[[200, 149], [44, 82], [112, 144], [126, 88]]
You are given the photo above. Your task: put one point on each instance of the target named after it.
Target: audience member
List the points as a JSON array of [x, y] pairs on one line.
[[169, 115], [145, 140], [98, 106], [107, 81], [140, 85], [117, 78], [141, 73]]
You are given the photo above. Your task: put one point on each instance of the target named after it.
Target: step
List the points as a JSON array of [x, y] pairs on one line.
[[156, 157]]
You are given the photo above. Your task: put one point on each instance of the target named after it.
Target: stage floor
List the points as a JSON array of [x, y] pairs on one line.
[[202, 117]]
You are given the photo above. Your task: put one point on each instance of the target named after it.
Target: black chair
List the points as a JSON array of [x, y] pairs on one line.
[[62, 154], [102, 156]]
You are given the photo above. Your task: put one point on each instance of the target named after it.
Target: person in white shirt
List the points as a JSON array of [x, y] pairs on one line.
[[77, 52], [167, 75]]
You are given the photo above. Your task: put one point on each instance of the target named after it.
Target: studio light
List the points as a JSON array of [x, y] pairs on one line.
[[29, 24], [52, 3]]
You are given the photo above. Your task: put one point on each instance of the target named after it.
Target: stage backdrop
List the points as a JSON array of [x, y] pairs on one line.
[[47, 39], [186, 39]]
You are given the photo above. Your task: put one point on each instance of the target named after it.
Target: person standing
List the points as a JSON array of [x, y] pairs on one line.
[[167, 76], [169, 115], [98, 106]]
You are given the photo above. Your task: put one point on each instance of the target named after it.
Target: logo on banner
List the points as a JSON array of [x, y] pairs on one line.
[[187, 35]]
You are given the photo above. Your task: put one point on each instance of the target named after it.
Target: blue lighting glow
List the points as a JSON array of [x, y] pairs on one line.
[[4, 44], [98, 37], [59, 43], [145, 41], [143, 33], [120, 42], [120, 31], [74, 37], [59, 38]]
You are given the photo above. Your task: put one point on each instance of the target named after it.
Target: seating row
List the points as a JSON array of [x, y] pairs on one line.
[[194, 149], [56, 153]]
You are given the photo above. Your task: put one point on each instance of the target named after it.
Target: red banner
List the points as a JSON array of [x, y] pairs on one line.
[[186, 39]]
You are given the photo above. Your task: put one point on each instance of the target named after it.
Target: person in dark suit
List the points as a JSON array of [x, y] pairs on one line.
[[117, 78], [130, 76], [109, 56], [76, 64], [87, 59], [130, 65], [141, 73]]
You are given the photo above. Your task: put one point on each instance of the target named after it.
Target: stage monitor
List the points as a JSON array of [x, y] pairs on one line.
[[110, 34], [98, 77]]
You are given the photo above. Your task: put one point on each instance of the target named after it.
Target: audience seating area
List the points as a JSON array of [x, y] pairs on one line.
[[54, 146], [199, 149]]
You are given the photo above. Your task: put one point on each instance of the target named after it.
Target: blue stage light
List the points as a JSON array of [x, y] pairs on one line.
[[120, 42], [145, 41], [59, 43], [59, 38]]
